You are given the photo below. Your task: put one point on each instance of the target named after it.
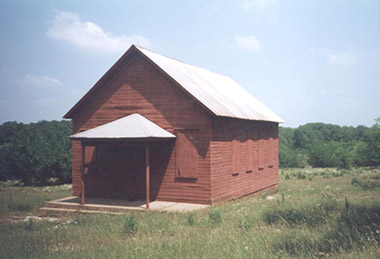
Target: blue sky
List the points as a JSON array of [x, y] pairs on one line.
[[309, 61]]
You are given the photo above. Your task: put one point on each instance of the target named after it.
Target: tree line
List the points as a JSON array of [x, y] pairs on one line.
[[40, 153], [328, 145], [36, 153]]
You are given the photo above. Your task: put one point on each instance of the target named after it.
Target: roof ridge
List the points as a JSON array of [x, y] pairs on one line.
[[181, 61]]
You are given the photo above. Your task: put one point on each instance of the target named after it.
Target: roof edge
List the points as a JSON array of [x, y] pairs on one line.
[[106, 76]]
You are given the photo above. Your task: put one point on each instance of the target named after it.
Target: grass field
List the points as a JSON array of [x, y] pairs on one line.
[[316, 213]]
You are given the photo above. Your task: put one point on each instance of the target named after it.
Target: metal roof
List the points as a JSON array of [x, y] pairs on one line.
[[134, 126], [218, 93]]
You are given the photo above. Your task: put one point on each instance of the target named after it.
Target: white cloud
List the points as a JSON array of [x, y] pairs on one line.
[[90, 36], [41, 81], [249, 42], [341, 58], [344, 58], [255, 4]]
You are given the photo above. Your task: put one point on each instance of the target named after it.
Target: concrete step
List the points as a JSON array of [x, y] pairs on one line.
[[90, 207], [47, 211]]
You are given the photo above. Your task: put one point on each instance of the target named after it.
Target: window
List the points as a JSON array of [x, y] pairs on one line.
[[235, 153], [186, 155], [271, 151], [249, 152], [261, 149]]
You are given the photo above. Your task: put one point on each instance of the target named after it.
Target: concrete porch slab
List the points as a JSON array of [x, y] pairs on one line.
[[114, 206]]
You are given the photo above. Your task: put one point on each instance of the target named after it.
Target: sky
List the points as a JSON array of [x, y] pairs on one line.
[[308, 61]]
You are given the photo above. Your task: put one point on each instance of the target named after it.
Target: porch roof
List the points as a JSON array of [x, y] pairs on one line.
[[134, 126]]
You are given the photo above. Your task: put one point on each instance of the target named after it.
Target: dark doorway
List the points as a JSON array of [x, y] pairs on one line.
[[123, 168]]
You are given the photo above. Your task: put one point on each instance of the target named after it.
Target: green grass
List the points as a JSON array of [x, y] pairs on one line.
[[311, 216], [19, 200]]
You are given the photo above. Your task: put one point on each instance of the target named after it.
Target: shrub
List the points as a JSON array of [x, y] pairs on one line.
[[131, 224]]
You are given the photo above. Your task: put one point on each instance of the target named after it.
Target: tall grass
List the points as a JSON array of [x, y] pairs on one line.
[[308, 218], [26, 199]]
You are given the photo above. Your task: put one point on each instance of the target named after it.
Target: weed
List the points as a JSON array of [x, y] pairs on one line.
[[191, 218], [355, 181], [287, 177], [346, 204], [300, 175], [375, 177], [264, 195], [294, 215], [18, 205], [131, 224], [308, 220], [215, 216], [29, 225], [293, 243], [366, 184], [244, 225]]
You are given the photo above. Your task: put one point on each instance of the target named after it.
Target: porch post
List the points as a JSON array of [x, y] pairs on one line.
[[147, 175], [82, 173]]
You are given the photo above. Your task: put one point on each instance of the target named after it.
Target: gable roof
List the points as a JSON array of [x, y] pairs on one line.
[[134, 126], [217, 93]]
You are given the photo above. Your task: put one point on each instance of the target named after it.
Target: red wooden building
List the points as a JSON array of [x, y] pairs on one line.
[[159, 129]]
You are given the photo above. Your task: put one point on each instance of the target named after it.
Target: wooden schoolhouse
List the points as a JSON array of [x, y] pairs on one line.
[[156, 128]]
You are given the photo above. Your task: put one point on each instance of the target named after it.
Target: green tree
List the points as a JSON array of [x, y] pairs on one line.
[[372, 139], [38, 152], [342, 157]]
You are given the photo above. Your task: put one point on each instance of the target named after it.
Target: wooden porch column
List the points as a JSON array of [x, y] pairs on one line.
[[147, 175], [82, 173]]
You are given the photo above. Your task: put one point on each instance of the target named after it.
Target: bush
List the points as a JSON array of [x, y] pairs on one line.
[[131, 224]]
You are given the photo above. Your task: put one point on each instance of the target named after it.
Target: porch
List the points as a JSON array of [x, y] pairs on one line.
[[72, 204], [119, 162]]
